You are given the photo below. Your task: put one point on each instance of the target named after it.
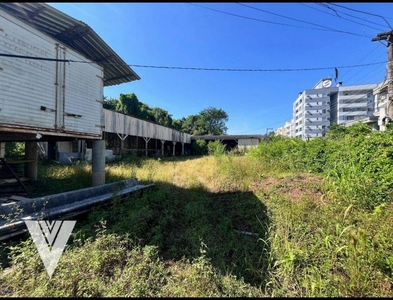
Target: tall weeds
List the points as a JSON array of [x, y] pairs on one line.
[[290, 219]]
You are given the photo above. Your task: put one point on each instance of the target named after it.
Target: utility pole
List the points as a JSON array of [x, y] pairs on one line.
[[388, 36]]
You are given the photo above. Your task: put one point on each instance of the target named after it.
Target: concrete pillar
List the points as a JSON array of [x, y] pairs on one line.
[[162, 147], [182, 148], [147, 139], [122, 137], [31, 154], [2, 150], [98, 162], [174, 148]]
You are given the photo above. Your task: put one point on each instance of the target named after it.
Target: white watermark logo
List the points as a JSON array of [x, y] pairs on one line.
[[50, 238]]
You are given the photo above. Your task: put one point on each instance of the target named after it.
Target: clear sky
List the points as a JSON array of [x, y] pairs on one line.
[[255, 57]]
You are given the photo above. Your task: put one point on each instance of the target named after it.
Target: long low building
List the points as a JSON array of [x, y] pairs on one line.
[[232, 141], [127, 133]]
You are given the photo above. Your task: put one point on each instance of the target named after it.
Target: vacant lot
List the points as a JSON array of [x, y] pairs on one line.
[[223, 225]]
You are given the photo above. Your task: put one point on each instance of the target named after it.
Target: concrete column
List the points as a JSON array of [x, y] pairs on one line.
[[162, 147], [147, 139], [174, 146], [122, 137], [98, 162], [182, 148], [31, 154], [2, 150]]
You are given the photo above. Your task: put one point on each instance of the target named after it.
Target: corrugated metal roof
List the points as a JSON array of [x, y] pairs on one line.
[[75, 34]]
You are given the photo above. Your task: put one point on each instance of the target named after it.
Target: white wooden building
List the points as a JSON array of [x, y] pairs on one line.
[[53, 69]]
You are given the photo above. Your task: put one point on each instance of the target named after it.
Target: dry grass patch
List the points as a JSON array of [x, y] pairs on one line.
[[293, 187]]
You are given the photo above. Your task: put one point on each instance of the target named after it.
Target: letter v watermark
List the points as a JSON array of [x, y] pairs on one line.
[[50, 239]]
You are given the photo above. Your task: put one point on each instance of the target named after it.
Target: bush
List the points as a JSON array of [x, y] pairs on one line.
[[199, 147], [216, 148]]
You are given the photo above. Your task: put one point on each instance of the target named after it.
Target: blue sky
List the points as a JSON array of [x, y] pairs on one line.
[[265, 53]]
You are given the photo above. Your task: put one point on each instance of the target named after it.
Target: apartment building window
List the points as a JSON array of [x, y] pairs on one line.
[[350, 117]]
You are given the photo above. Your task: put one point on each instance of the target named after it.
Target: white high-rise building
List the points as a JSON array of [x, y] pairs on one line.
[[311, 111], [316, 109], [352, 103]]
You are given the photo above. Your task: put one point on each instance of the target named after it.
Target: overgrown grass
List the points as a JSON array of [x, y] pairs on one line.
[[290, 219]]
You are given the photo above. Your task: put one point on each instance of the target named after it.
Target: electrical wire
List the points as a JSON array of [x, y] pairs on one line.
[[361, 60], [335, 15], [363, 12], [194, 68], [276, 23], [331, 29]]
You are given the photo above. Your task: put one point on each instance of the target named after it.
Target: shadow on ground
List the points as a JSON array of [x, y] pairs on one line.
[[228, 228]]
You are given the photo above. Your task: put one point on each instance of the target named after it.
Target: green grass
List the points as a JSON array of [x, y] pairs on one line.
[[214, 226]]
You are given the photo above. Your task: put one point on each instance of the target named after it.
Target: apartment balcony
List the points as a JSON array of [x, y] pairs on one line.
[[352, 97], [317, 123], [317, 107], [319, 100], [313, 114], [353, 105], [314, 131], [354, 113]]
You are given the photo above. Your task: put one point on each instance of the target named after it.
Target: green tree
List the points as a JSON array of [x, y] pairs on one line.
[[161, 116], [188, 124], [110, 103], [210, 121], [178, 124], [213, 121], [129, 104], [145, 112]]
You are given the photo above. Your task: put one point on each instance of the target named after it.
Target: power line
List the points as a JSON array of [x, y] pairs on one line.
[[328, 28], [194, 68], [256, 70], [271, 22], [335, 15], [363, 12]]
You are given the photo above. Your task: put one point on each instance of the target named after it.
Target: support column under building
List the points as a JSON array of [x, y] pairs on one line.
[[122, 137], [147, 139], [31, 156], [98, 162], [162, 147], [174, 148], [182, 148], [2, 150]]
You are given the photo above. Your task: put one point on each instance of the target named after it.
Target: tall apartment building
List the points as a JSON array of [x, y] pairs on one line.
[[315, 109], [311, 111], [352, 103]]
